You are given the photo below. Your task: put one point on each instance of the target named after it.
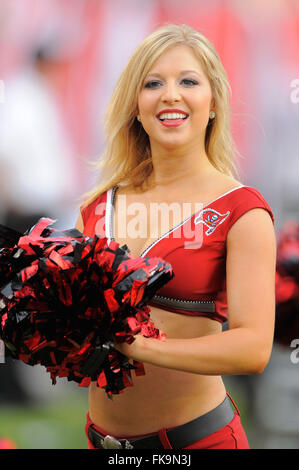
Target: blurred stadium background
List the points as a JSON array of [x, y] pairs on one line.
[[59, 62]]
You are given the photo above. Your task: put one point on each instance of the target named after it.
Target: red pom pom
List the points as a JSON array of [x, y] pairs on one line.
[[65, 298]]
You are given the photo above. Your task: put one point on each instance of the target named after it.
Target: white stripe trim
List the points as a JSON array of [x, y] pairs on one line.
[[177, 226], [108, 213], [164, 235]]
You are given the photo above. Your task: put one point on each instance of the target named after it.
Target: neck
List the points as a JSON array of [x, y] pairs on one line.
[[179, 166]]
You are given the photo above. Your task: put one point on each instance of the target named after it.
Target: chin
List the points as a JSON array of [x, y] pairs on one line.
[[172, 142]]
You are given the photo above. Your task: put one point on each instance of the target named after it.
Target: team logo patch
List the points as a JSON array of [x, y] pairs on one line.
[[211, 219]]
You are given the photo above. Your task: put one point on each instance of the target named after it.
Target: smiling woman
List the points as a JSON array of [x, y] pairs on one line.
[[125, 135], [176, 77], [169, 143]]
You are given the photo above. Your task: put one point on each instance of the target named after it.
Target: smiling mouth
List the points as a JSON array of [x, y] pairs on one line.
[[172, 120], [172, 116]]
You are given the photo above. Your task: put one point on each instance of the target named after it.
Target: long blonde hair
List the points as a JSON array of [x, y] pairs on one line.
[[126, 159]]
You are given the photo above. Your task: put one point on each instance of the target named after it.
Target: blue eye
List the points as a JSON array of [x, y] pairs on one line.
[[152, 84], [189, 82]]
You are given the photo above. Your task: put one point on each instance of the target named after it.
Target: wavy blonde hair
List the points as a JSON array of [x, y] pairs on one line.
[[126, 159]]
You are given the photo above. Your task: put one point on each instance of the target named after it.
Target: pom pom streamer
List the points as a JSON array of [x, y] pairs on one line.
[[65, 298], [287, 285]]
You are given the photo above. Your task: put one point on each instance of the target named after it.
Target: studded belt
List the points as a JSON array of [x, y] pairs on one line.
[[180, 304]]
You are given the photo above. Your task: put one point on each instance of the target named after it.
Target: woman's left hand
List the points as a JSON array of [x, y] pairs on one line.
[[135, 350]]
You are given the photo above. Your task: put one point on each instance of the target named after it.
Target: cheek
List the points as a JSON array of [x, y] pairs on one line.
[[201, 106], [201, 114], [144, 103], [148, 102], [146, 107], [203, 102]]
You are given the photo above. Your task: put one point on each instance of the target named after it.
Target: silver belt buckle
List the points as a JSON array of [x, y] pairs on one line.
[[109, 442]]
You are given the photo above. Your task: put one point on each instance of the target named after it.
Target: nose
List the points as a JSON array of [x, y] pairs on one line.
[[171, 93]]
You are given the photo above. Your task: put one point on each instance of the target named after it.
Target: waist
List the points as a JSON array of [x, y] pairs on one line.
[[165, 398], [176, 438]]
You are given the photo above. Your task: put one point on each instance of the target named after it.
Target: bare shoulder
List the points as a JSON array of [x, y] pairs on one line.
[[226, 182], [217, 185]]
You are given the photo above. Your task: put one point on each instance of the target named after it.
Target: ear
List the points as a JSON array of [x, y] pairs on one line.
[[137, 116]]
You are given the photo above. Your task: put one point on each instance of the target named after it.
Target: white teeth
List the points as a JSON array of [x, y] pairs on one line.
[[172, 116]]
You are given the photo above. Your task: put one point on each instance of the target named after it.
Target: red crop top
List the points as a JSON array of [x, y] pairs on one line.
[[196, 249]]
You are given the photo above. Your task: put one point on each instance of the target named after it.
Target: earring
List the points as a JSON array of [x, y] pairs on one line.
[[138, 117], [212, 114]]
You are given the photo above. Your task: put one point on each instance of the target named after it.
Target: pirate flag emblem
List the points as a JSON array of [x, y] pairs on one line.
[[211, 218]]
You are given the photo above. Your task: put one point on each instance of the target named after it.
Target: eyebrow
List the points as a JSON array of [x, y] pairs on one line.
[[183, 72]]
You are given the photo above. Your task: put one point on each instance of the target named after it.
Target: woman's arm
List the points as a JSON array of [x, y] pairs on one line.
[[246, 347]]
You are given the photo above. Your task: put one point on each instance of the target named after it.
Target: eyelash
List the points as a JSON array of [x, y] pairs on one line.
[[191, 83]]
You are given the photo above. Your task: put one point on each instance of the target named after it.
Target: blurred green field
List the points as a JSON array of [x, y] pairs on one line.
[[57, 425], [60, 423]]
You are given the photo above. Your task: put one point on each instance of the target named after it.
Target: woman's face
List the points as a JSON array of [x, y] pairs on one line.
[[175, 100]]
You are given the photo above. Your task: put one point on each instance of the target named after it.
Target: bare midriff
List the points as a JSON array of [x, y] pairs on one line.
[[162, 397]]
